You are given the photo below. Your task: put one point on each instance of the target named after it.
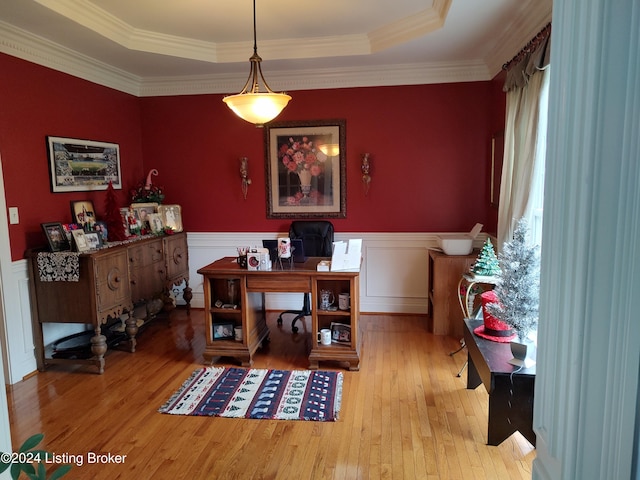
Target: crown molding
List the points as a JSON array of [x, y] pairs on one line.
[[24, 45], [128, 36], [34, 49], [109, 26], [411, 27], [523, 29], [318, 79]]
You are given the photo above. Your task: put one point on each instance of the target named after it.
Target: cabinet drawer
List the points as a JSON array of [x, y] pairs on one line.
[[112, 280], [146, 254], [278, 283], [177, 256]]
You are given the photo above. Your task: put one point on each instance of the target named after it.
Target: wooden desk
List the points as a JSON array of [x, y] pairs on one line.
[[489, 364], [249, 287]]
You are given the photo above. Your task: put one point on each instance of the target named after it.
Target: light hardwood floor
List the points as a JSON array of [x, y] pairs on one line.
[[405, 414]]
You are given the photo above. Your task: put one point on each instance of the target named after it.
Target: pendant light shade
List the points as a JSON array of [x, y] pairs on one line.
[[253, 104]]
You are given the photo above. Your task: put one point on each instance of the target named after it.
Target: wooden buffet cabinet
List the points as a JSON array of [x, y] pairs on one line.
[[226, 283], [112, 280]]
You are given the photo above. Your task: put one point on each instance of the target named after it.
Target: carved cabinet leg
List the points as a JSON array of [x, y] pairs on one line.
[[99, 348], [187, 295], [132, 329]]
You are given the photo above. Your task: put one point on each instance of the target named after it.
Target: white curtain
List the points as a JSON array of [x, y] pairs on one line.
[[520, 140]]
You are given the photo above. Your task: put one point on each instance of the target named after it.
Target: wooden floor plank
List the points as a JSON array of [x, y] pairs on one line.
[[405, 414]]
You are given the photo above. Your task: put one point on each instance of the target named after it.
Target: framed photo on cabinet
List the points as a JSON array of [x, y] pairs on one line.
[[94, 241], [80, 241], [171, 216], [82, 212], [56, 236], [142, 211]]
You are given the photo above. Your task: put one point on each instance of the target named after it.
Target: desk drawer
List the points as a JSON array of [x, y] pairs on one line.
[[278, 283]]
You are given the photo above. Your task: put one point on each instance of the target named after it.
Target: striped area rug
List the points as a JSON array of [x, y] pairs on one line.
[[259, 393]]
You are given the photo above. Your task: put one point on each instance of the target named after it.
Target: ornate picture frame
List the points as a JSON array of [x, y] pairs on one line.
[[171, 216], [83, 165], [306, 169], [142, 212]]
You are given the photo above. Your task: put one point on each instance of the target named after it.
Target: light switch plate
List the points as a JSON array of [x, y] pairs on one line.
[[13, 216]]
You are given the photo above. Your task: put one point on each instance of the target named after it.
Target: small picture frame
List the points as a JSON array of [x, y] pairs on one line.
[[93, 240], [56, 236], [68, 228], [100, 228], [80, 240], [340, 333], [223, 331], [83, 213], [142, 212], [124, 216], [155, 222], [171, 216]]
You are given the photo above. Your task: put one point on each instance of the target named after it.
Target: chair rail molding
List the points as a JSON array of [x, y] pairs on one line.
[[393, 278]]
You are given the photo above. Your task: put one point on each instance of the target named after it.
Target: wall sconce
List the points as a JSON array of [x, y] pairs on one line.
[[366, 178], [244, 175]]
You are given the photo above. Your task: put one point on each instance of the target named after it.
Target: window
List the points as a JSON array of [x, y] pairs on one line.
[[535, 209]]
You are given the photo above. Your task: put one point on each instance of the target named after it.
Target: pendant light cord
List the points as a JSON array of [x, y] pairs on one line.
[[255, 41]]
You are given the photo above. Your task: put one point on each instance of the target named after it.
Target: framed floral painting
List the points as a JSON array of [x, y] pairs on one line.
[[306, 169]]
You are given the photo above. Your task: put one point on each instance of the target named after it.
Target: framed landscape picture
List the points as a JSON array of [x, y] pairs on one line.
[[306, 169], [83, 165]]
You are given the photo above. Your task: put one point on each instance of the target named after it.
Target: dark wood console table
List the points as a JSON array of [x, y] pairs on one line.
[[489, 364]]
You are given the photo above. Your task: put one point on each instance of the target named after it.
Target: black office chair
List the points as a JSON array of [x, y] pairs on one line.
[[317, 241]]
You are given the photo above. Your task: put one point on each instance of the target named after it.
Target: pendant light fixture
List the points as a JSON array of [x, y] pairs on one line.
[[251, 104]]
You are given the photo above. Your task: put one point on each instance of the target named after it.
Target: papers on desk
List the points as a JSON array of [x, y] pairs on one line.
[[346, 256]]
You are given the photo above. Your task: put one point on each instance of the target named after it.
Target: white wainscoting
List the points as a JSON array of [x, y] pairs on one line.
[[21, 360], [394, 274], [394, 279]]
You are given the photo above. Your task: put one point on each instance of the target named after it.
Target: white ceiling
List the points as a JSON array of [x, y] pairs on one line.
[[162, 47]]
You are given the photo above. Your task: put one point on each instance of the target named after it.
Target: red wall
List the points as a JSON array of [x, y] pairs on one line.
[[429, 147], [36, 102]]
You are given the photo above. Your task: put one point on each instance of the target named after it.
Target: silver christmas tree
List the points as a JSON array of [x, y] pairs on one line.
[[518, 284]]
